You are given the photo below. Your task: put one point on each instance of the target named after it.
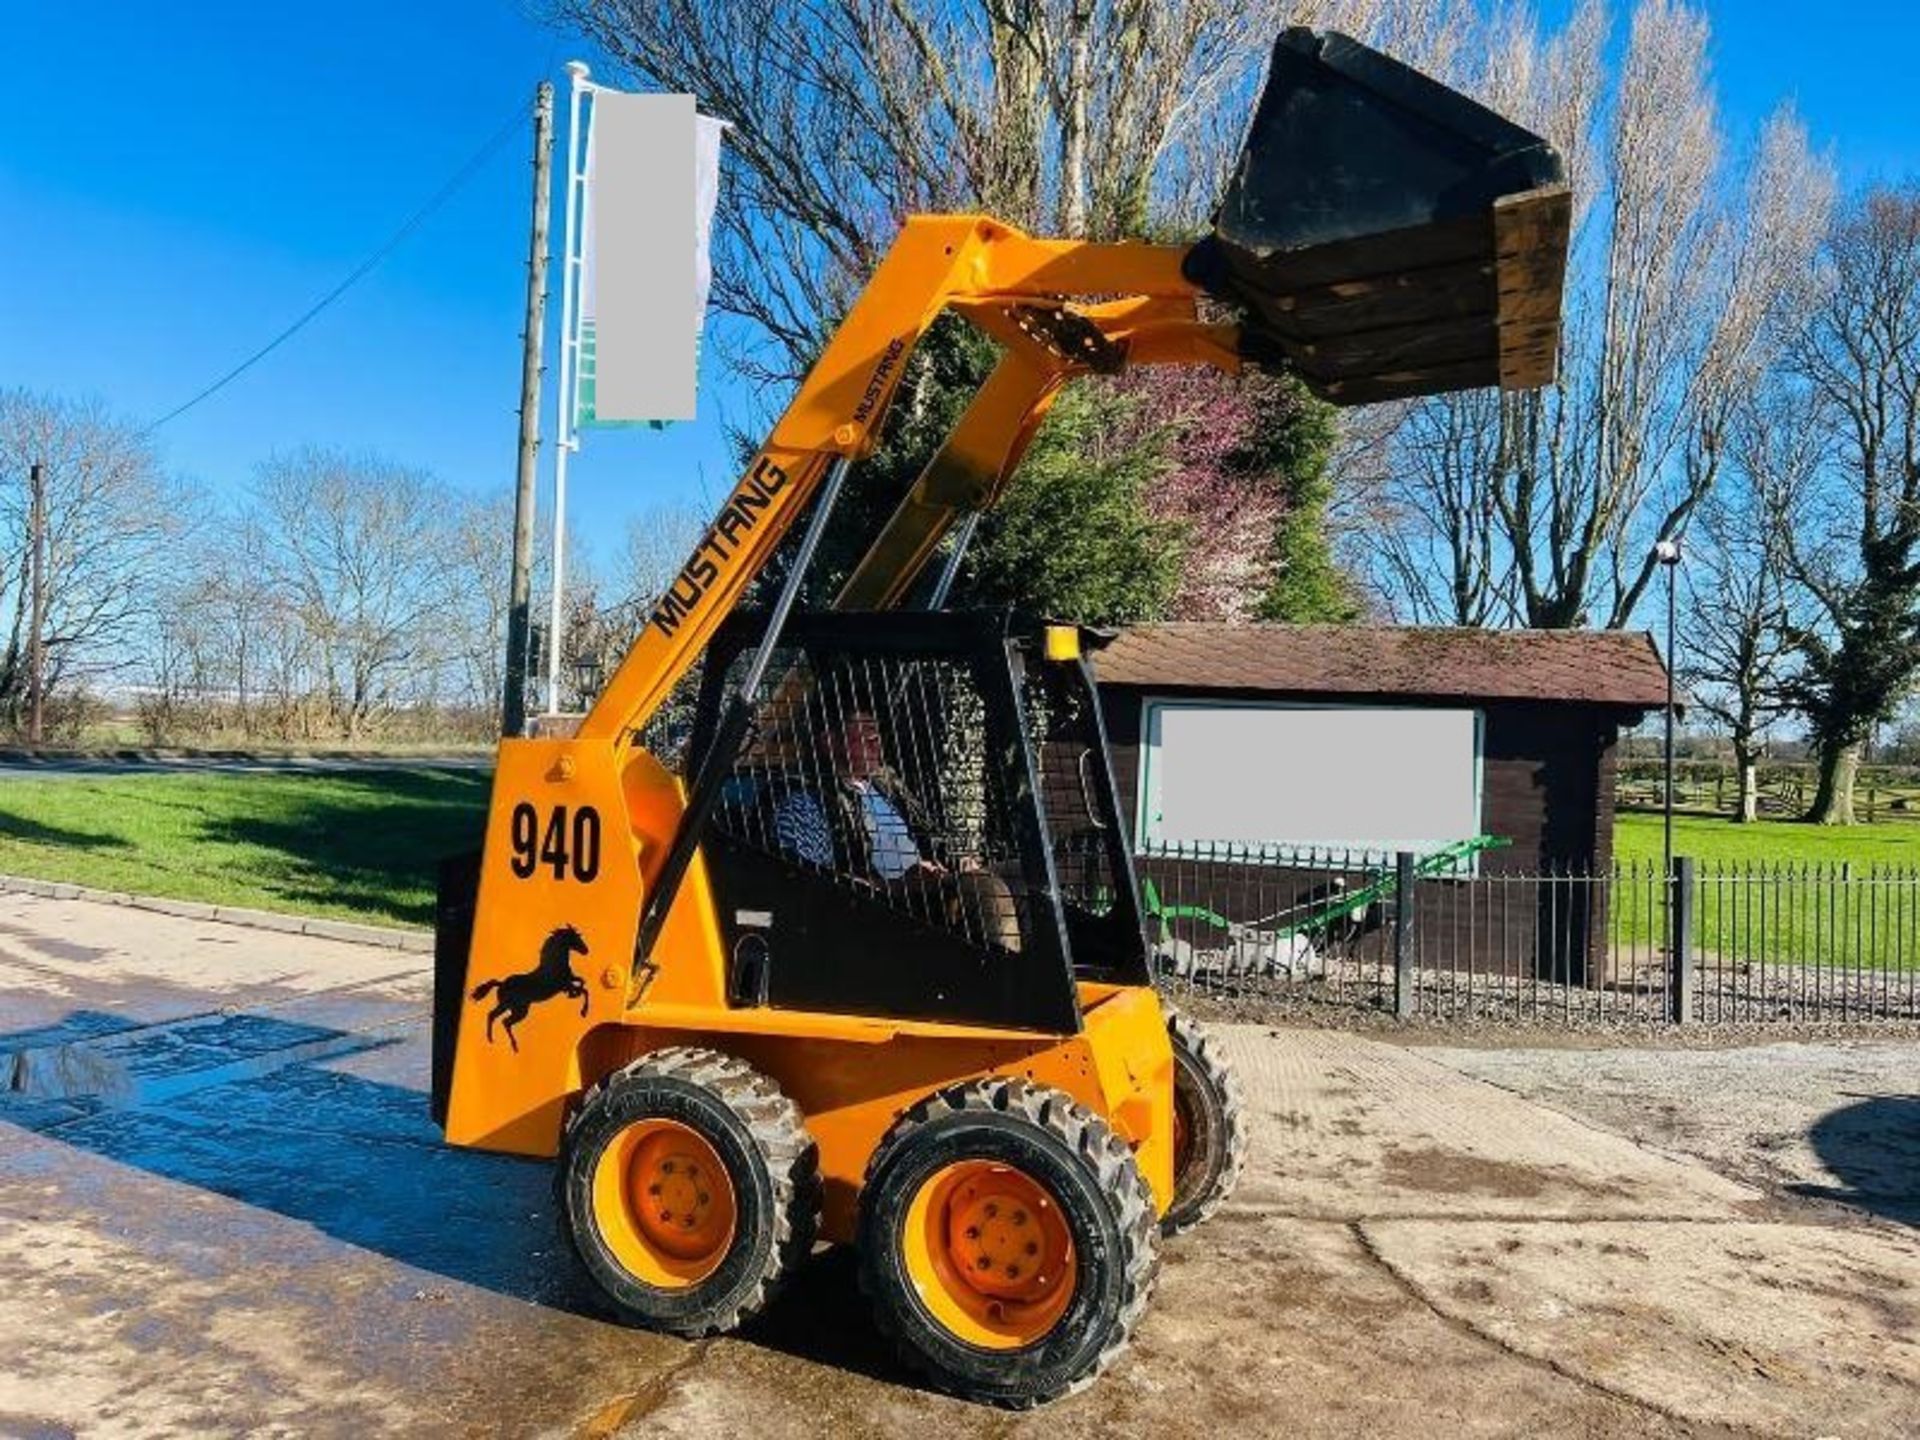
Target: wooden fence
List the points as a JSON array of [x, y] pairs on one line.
[[1702, 787]]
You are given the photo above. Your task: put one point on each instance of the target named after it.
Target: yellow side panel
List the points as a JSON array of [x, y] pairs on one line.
[[688, 965], [542, 987], [1128, 1038], [852, 1094]]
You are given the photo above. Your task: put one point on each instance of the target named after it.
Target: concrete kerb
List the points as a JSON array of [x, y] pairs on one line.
[[412, 941]]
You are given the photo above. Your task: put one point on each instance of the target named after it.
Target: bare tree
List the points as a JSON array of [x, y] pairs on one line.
[[1850, 527], [1438, 554], [1687, 273], [659, 539], [169, 703], [1756, 295], [358, 552], [112, 515], [475, 634], [1737, 654], [290, 665]]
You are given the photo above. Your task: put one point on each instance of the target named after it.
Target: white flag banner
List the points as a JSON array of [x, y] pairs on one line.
[[653, 179], [707, 135]]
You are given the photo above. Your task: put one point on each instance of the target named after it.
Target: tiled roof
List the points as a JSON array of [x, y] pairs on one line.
[[1604, 667]]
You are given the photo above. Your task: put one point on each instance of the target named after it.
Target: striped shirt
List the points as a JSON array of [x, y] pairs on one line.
[[803, 829]]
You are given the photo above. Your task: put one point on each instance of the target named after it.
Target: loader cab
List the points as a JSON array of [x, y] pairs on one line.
[[921, 823]]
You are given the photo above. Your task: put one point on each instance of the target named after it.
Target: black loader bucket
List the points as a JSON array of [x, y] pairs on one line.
[[1386, 236]]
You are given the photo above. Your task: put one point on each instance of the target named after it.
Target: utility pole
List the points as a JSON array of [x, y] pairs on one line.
[[36, 648], [513, 718]]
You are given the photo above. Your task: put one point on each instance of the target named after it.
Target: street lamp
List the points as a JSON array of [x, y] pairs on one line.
[[587, 670], [1667, 554]]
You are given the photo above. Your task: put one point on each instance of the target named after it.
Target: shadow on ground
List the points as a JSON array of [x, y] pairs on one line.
[[56, 837], [359, 1160], [1873, 1148], [344, 839]]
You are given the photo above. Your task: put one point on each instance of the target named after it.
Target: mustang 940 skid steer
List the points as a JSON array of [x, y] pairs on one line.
[[868, 967]]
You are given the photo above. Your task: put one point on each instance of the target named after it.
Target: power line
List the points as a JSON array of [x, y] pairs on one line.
[[366, 267]]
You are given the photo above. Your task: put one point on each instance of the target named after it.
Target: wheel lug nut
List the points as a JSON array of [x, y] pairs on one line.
[[666, 1167], [1032, 1249], [992, 1210], [973, 1232], [653, 1189], [1019, 1217], [701, 1198], [983, 1263], [1013, 1272]]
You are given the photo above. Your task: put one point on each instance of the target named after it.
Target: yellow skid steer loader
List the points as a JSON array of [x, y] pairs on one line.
[[870, 968]]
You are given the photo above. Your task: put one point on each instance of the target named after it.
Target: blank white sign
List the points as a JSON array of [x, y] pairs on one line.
[[1293, 778], [642, 309]]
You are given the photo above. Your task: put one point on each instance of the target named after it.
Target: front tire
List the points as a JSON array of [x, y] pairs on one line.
[[1007, 1241], [1209, 1126], [688, 1188]]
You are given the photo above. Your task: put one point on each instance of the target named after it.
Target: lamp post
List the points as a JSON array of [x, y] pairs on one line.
[[1667, 553]]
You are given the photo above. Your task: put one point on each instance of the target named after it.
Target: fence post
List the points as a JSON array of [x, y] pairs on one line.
[[1680, 910], [1403, 935]]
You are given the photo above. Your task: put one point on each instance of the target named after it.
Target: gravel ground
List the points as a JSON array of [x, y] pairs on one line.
[[1834, 1121]]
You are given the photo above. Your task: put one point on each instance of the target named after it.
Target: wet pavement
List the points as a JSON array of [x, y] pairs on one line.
[[223, 1210]]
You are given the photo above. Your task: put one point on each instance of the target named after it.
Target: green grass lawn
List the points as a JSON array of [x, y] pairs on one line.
[[359, 846], [1774, 892], [1638, 837]]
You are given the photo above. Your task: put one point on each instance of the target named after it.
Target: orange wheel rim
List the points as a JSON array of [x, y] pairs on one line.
[[664, 1203], [989, 1254], [1182, 1133]]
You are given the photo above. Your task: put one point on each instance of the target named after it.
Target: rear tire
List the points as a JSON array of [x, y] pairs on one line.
[[689, 1188], [1210, 1128], [1007, 1241]]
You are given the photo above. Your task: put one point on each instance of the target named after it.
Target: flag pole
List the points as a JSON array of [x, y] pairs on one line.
[[565, 439]]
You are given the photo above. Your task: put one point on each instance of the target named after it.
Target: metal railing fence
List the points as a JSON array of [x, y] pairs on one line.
[[1721, 943]]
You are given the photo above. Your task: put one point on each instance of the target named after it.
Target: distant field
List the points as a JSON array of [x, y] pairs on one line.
[[360, 846], [1638, 837]]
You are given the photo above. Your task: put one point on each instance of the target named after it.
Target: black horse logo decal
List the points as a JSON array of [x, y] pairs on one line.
[[552, 976]]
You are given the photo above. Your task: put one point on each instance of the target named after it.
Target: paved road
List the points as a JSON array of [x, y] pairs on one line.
[[18, 766], [222, 1210]]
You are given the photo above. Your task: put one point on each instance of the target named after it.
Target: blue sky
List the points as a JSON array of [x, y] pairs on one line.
[[174, 191], [180, 180]]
